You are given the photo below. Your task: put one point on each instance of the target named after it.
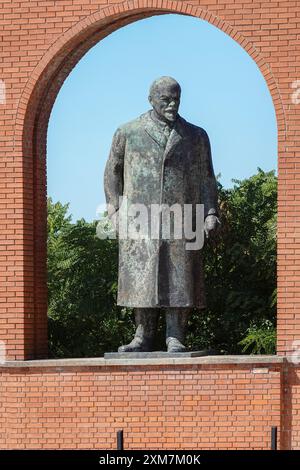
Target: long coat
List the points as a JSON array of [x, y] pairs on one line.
[[148, 169]]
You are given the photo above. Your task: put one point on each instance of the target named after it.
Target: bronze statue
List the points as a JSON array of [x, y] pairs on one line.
[[161, 159]]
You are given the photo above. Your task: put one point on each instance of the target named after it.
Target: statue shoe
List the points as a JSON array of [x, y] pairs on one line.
[[174, 345], [135, 346], [146, 323]]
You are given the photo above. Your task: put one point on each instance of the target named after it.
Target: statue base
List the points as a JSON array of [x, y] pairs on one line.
[[158, 354]]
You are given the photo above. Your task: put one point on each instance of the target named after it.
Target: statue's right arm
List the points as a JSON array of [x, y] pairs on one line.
[[113, 174]]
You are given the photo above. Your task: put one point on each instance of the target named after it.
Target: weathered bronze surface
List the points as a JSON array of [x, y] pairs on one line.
[[159, 158]]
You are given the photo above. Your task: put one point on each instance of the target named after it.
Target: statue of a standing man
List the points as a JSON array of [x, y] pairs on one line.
[[161, 159]]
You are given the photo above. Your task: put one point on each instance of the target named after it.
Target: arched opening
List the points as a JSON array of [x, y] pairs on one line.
[[48, 79]]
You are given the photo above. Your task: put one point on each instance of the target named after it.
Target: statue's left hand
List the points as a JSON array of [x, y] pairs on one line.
[[211, 225]]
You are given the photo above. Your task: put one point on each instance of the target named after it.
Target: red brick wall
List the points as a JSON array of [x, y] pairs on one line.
[[158, 406], [42, 41], [290, 406]]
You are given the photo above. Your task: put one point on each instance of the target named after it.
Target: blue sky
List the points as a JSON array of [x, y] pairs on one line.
[[223, 91]]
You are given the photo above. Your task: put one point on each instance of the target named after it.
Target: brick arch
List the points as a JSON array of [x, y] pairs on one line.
[[33, 111], [86, 33]]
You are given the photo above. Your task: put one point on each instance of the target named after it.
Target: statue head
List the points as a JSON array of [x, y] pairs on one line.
[[164, 96]]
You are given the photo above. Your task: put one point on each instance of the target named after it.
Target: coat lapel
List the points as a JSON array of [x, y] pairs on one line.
[[176, 135], [175, 138], [153, 130]]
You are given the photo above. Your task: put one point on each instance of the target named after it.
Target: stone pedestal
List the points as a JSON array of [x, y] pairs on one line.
[[158, 354]]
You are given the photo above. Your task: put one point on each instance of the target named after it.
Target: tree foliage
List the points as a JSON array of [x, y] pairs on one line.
[[241, 266], [260, 338], [82, 286], [240, 271]]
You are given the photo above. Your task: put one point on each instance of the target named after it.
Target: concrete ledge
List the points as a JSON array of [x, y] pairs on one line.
[[101, 362]]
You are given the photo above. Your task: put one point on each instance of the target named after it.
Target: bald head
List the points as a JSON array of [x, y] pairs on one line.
[[164, 97], [162, 83]]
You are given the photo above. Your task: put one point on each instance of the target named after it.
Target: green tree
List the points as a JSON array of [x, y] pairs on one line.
[[240, 267], [240, 271], [82, 283], [260, 338]]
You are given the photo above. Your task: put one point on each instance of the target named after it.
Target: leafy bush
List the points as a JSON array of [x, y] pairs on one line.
[[260, 339], [240, 272]]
